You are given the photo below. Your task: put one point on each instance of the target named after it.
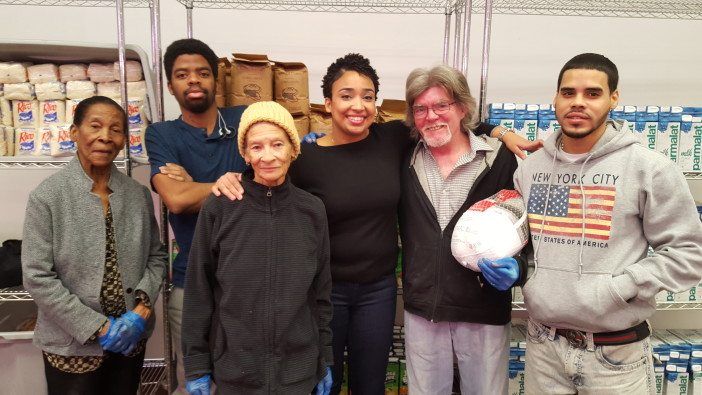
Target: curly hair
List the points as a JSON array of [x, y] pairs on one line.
[[188, 46], [350, 62]]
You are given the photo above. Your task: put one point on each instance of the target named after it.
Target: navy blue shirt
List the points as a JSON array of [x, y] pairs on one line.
[[205, 158]]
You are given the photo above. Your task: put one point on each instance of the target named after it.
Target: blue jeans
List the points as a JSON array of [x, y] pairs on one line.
[[553, 366], [362, 324]]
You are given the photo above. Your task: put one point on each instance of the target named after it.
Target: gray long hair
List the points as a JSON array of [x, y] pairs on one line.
[[455, 84]]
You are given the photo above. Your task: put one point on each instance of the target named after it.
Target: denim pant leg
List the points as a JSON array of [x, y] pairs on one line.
[[366, 313], [553, 366], [341, 298], [370, 336], [625, 369], [545, 363]]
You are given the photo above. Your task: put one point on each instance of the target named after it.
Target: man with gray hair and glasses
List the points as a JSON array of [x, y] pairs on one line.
[[451, 310]]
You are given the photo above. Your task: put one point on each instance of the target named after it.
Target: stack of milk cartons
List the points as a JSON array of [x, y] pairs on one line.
[[624, 113], [548, 124], [526, 120], [693, 337], [677, 377], [692, 295], [668, 137], [517, 359], [617, 113], [502, 114], [629, 116], [690, 143], [646, 127], [661, 355]]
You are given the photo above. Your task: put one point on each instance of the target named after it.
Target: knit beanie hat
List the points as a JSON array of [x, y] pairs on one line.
[[268, 111], [492, 228]]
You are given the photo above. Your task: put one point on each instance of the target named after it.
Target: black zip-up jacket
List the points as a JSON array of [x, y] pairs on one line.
[[256, 309], [435, 286]]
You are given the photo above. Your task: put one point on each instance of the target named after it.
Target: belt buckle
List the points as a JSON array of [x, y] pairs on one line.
[[577, 339]]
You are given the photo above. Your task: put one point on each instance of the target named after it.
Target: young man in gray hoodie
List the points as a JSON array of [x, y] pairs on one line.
[[596, 200]]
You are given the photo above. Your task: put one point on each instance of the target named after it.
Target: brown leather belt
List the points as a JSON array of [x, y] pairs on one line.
[[578, 339]]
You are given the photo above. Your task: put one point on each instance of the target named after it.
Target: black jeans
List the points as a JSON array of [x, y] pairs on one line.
[[118, 375], [362, 323]]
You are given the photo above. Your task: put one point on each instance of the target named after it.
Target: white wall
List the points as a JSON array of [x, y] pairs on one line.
[[659, 60]]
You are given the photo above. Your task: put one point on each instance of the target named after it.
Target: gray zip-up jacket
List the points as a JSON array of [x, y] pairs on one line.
[[63, 255], [596, 276]]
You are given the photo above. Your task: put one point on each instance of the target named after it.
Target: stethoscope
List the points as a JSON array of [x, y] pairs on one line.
[[224, 131]]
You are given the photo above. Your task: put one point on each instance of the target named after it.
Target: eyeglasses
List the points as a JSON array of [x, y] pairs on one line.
[[438, 108]]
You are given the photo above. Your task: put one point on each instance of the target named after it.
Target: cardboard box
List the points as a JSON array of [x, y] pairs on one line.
[[404, 388], [391, 377], [668, 137], [690, 144], [223, 69], [526, 120], [392, 110], [646, 126], [502, 114], [302, 124], [547, 125], [320, 119]]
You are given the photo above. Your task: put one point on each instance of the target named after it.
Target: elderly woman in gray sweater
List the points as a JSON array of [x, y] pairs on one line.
[[93, 262]]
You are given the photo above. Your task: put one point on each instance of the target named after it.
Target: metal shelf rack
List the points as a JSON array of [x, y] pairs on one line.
[[77, 3], [336, 6], [22, 163], [153, 374], [13, 294], [458, 8], [671, 9], [660, 306]]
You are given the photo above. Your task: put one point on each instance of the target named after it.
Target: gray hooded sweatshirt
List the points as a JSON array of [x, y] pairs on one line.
[[596, 276]]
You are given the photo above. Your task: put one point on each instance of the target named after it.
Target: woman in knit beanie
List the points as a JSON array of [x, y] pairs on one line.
[[257, 308]]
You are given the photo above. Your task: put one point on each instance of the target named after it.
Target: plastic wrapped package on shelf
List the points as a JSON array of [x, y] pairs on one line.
[[71, 67]]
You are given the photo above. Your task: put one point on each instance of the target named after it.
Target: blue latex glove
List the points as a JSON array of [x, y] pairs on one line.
[[105, 339], [501, 273], [199, 386], [312, 137], [125, 332], [325, 384]]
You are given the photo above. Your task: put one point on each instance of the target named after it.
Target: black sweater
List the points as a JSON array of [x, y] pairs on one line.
[[359, 184], [256, 309]]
